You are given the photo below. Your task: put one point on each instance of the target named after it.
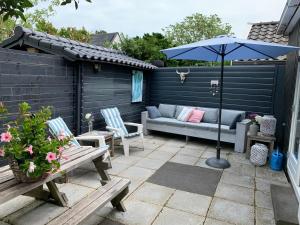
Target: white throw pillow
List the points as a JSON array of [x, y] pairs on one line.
[[185, 114]]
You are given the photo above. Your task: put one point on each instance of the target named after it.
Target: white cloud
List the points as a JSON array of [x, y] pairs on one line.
[[135, 17]]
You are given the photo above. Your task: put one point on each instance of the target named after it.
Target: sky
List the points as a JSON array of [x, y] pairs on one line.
[[136, 17]]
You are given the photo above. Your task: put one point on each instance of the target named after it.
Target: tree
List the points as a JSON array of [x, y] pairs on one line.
[[16, 8], [195, 28], [145, 48]]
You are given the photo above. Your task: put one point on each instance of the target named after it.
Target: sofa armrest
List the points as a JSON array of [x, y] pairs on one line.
[[144, 121], [241, 135]]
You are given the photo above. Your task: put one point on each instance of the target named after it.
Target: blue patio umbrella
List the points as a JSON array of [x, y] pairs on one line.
[[226, 48]]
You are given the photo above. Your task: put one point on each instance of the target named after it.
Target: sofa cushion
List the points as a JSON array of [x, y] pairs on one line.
[[167, 110], [196, 116], [185, 114], [153, 112], [210, 115], [231, 117], [210, 126], [166, 121]]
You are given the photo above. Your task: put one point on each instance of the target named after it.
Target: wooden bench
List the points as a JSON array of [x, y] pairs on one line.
[[113, 190]]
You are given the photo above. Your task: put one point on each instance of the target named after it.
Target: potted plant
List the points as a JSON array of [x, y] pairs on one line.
[[32, 155], [254, 126]]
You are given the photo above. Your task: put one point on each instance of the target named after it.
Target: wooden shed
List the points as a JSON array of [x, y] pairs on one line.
[[91, 77]]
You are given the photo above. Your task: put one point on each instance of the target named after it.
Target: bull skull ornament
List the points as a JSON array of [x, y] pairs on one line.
[[183, 75]]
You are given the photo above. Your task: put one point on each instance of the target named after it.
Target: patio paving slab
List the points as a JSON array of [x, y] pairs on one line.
[[140, 153], [241, 169], [74, 192], [36, 216], [152, 164], [243, 181], [231, 212], [138, 213], [14, 205], [152, 193], [129, 160], [189, 202], [208, 154], [210, 221], [167, 148], [264, 185], [162, 155], [195, 152], [271, 175], [264, 216], [184, 159], [136, 173], [175, 217], [263, 200], [117, 168], [201, 163], [239, 157], [235, 193], [90, 179]]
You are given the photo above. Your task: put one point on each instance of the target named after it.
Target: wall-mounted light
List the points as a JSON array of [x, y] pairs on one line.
[[97, 67], [214, 87]]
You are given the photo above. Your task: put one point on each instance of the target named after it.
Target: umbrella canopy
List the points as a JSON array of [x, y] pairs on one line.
[[224, 48], [232, 48]]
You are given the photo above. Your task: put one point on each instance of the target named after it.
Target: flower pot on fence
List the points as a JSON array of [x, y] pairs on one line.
[[20, 175]]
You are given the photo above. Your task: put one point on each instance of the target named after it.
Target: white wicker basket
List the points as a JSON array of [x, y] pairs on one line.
[[259, 154]]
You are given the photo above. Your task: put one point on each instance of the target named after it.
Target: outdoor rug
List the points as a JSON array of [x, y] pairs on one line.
[[188, 178]]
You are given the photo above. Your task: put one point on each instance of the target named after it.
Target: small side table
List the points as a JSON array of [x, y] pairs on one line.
[[109, 137], [269, 140]]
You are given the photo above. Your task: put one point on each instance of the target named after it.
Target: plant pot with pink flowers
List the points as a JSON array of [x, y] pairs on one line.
[[32, 155]]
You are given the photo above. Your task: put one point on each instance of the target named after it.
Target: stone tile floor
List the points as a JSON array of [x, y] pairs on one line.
[[242, 196]]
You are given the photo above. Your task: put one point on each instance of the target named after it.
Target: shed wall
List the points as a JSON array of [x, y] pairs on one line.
[[40, 80]]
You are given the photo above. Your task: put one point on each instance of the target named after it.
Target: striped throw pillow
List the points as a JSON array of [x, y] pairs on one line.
[[185, 114]]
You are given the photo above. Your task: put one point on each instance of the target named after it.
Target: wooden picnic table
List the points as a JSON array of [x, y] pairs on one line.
[[113, 190]]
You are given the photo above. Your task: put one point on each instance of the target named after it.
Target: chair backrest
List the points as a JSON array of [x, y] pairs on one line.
[[113, 119], [56, 126]]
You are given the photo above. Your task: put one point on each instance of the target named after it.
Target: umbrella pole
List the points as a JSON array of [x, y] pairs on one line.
[[218, 162]]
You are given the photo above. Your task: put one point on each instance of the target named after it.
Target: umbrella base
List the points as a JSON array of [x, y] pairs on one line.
[[217, 163]]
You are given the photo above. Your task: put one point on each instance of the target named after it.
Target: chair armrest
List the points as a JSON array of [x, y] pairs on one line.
[[138, 125], [100, 139], [115, 130], [241, 135]]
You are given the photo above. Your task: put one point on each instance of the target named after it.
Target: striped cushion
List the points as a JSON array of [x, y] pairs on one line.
[[185, 114], [113, 119], [57, 125]]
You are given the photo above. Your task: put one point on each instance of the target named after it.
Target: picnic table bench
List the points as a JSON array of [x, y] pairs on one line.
[[113, 190]]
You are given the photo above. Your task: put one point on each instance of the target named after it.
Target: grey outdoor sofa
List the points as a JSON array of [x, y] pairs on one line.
[[208, 129]]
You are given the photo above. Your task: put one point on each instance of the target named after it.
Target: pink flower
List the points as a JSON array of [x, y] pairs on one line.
[[60, 149], [49, 139], [50, 157], [61, 135], [6, 137], [2, 152], [29, 150]]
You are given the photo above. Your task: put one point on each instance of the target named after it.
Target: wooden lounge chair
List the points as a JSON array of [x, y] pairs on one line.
[[58, 125], [115, 124]]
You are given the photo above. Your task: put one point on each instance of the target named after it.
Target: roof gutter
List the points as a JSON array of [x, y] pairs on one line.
[[289, 18]]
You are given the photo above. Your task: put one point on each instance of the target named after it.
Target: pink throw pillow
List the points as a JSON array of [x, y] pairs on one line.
[[196, 116]]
